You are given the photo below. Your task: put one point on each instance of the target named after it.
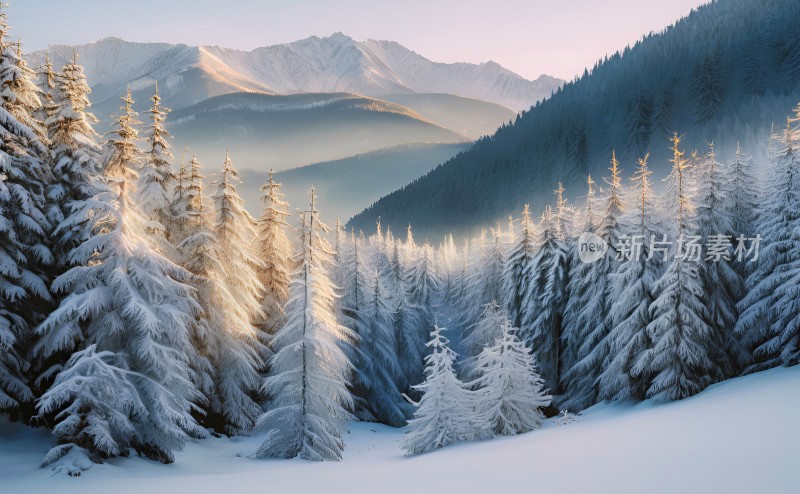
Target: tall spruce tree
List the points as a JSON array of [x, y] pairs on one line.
[[157, 179], [630, 293], [592, 326], [541, 326], [76, 156], [24, 255], [308, 381], [123, 159], [680, 362], [722, 284], [274, 251]]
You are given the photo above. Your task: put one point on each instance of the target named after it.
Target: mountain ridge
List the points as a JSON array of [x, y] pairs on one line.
[[336, 63]]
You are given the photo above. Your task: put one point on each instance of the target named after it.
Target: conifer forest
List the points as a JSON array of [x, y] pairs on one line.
[[161, 305]]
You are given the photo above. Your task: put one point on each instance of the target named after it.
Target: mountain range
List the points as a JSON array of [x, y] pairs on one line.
[[334, 64], [315, 100], [727, 73]]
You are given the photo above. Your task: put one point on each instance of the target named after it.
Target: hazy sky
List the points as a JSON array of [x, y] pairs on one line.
[[530, 37]]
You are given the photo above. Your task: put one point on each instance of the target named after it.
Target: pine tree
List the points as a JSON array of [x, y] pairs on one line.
[[579, 287], [518, 274], [49, 93], [722, 285], [157, 180], [444, 413], [76, 156], [707, 89], [588, 334], [424, 296], [187, 203], [234, 229], [680, 362], [309, 376], [769, 322], [541, 320], [128, 314], [229, 353], [406, 319], [378, 370], [24, 227], [123, 158], [236, 352], [485, 281], [743, 189], [356, 266], [630, 293], [274, 250], [509, 391]]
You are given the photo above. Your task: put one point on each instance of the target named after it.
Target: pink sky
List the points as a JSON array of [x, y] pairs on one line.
[[557, 37]]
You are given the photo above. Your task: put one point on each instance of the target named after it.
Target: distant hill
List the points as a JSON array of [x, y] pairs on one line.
[[280, 132], [344, 186], [727, 72], [470, 117]]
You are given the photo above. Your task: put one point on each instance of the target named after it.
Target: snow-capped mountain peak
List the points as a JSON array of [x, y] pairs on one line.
[[336, 63]]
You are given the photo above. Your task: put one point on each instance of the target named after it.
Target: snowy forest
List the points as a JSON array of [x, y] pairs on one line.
[[139, 310]]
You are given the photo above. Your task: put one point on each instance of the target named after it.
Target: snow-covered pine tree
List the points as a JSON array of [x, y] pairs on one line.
[[742, 202], [123, 158], [237, 353], [630, 293], [187, 200], [541, 319], [48, 91], [157, 180], [591, 325], [425, 287], [445, 412], [509, 392], [76, 157], [578, 289], [485, 280], [234, 229], [378, 369], [355, 271], [24, 227], [450, 269], [406, 319], [229, 354], [722, 284], [680, 362], [274, 250], [518, 274], [743, 188], [308, 381], [129, 313], [769, 321]]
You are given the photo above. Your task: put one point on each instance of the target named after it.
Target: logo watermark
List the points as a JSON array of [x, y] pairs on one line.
[[591, 247], [717, 248]]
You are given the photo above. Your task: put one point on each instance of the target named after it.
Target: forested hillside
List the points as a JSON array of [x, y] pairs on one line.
[[725, 73]]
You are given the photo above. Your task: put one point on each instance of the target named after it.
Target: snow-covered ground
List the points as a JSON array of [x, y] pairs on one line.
[[741, 436]]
